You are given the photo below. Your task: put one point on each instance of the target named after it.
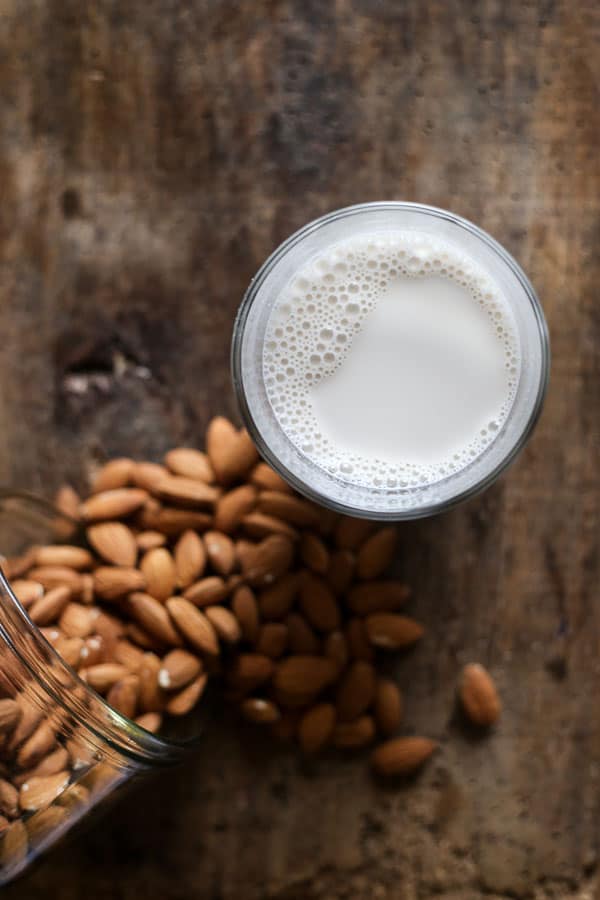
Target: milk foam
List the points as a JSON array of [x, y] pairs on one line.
[[315, 323]]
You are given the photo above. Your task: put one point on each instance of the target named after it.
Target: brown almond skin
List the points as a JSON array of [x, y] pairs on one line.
[[316, 727], [113, 504], [114, 542], [355, 734], [401, 756], [479, 696], [49, 607], [64, 555], [249, 671], [14, 844], [377, 596], [207, 591], [112, 475], [150, 613], [289, 508], [336, 648], [233, 506], [377, 553], [245, 609], [186, 492], [275, 601], [178, 668], [123, 695], [259, 525], [231, 453], [265, 478], [181, 703], [158, 568], [146, 475], [9, 799], [263, 712], [314, 553], [37, 745], [113, 583], [341, 571], [220, 551], [301, 638], [190, 558], [356, 691], [318, 603], [351, 533], [272, 639], [391, 631], [387, 707], [149, 540], [304, 675], [264, 563], [190, 463], [193, 625], [225, 623], [358, 640]]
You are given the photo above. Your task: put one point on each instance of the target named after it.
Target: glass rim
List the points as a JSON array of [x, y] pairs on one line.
[[100, 719], [252, 293]]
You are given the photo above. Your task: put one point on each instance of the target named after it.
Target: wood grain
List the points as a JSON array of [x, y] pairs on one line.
[[151, 155]]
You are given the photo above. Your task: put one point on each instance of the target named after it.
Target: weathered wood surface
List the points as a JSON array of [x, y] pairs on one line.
[[151, 155]]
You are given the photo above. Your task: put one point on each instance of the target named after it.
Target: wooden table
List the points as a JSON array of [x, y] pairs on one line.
[[152, 153]]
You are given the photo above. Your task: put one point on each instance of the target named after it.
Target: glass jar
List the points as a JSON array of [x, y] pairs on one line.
[[63, 749]]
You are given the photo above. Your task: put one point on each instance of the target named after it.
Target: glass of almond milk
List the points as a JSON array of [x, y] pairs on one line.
[[390, 360]]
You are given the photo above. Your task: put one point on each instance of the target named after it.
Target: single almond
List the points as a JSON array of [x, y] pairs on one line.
[[341, 571], [352, 735], [69, 648], [263, 563], [150, 540], [193, 625], [314, 553], [37, 745], [151, 721], [181, 703], [358, 640], [265, 478], [173, 522], [95, 650], [178, 668], [402, 756], [67, 502], [152, 698], [316, 727], [114, 474], [377, 596], [57, 576], [27, 591], [109, 627], [9, 799], [327, 523], [387, 707], [190, 558], [377, 553], [258, 525], [40, 791], [262, 712], [101, 677], [356, 691], [158, 568], [290, 508], [114, 542], [233, 506], [190, 463], [220, 551], [54, 762], [151, 614], [64, 555], [115, 504], [45, 822], [30, 718], [304, 676], [275, 601], [49, 607], [479, 696], [144, 639], [77, 620], [15, 843], [186, 491], [272, 639], [225, 623], [391, 631], [123, 695], [336, 648], [249, 670], [113, 583], [302, 640], [318, 603], [127, 654], [245, 609], [207, 591], [146, 475], [231, 452], [350, 533]]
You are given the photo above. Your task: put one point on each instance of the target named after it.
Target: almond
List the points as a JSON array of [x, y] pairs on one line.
[[272, 639], [30, 718], [64, 555], [336, 649], [276, 601], [356, 691], [352, 735], [186, 491], [151, 721], [37, 745], [341, 571], [152, 698], [231, 452], [304, 676], [377, 553], [351, 533], [377, 596], [207, 591], [94, 651], [193, 625], [101, 677], [45, 823], [153, 618], [288, 507], [190, 558], [178, 668], [54, 762], [391, 631], [143, 638], [150, 540], [314, 553], [14, 845], [358, 640], [258, 525], [112, 475], [245, 609], [263, 563], [233, 506], [76, 620], [302, 640], [262, 712], [57, 576], [40, 791], [264, 477], [402, 756], [249, 670], [49, 607], [387, 706], [158, 568], [114, 542], [67, 501], [127, 654], [225, 623], [27, 591], [123, 695], [173, 522], [318, 603], [182, 702], [220, 551], [9, 799], [190, 463], [146, 475], [69, 648], [316, 727], [479, 696], [113, 583], [113, 504], [108, 626]]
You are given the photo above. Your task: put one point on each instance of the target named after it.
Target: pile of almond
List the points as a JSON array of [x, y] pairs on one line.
[[209, 565]]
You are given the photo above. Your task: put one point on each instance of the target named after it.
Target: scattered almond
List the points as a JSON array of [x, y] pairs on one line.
[[316, 727], [392, 632], [402, 756], [479, 696]]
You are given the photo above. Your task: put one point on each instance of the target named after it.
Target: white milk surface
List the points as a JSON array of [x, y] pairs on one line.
[[391, 360]]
